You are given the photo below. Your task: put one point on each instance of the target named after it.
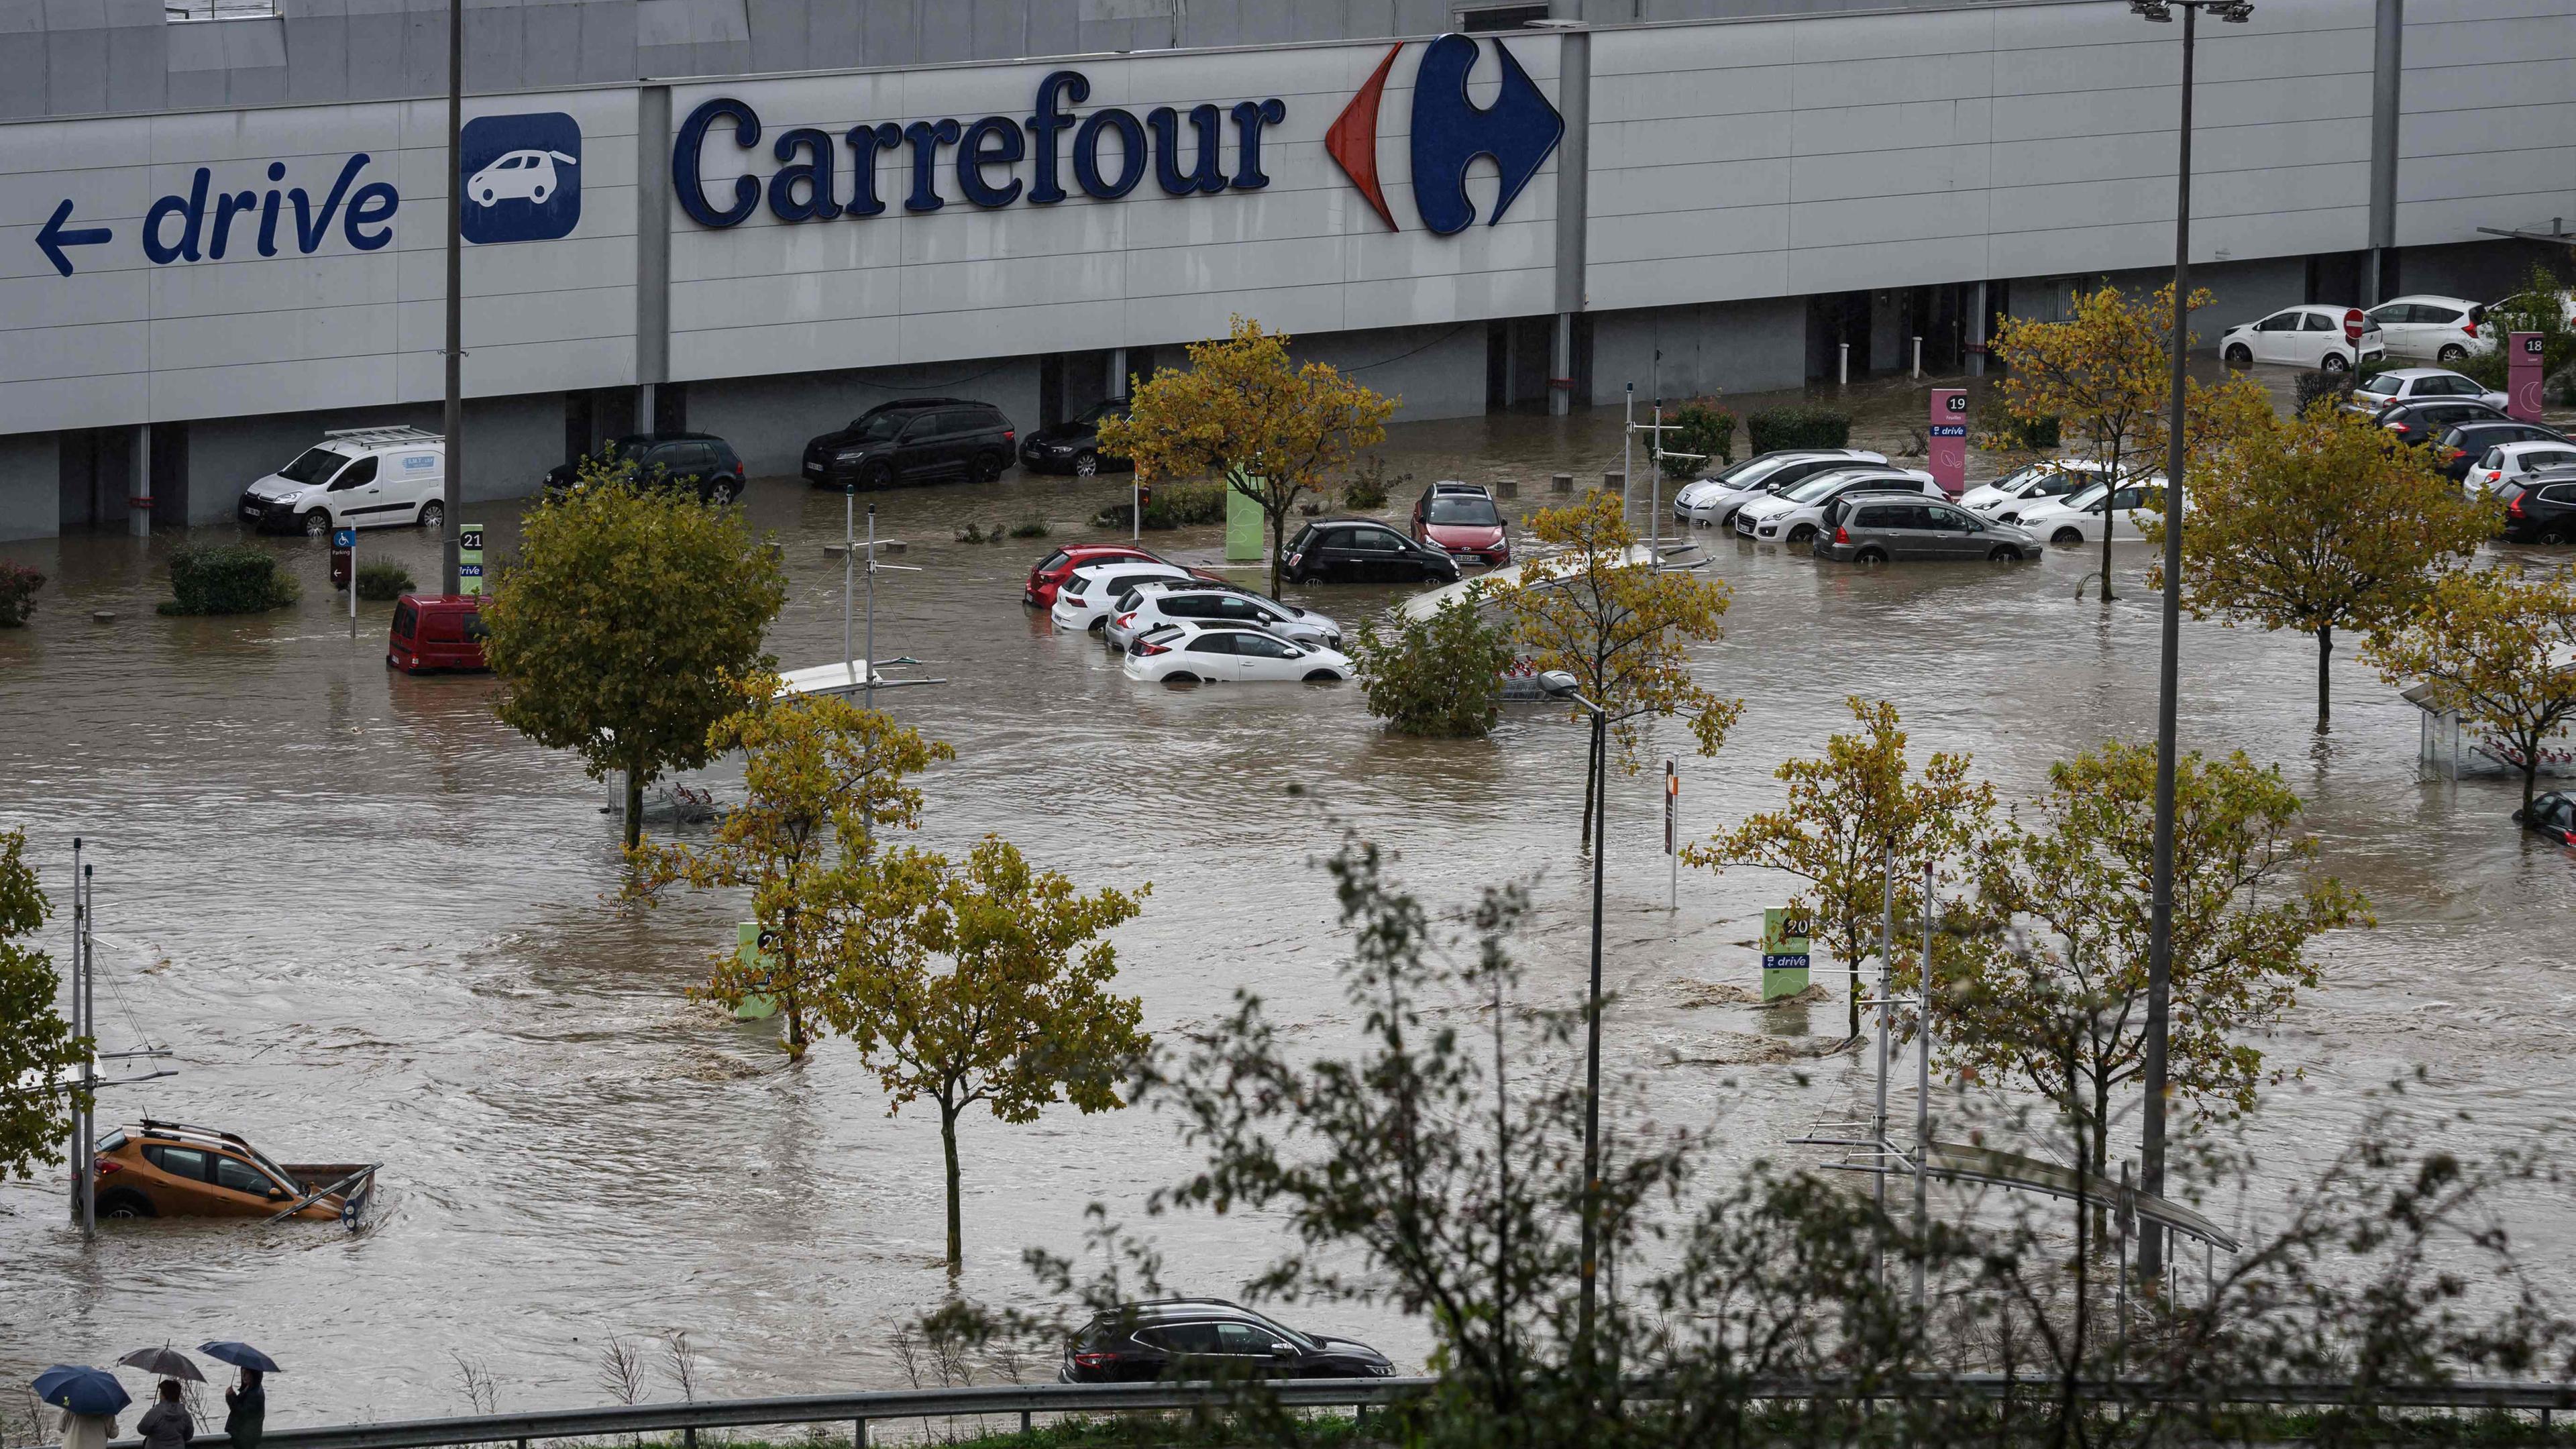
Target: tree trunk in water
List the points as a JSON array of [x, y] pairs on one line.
[[2530, 777], [1278, 541], [2106, 553], [1851, 933], [634, 804], [1591, 774], [956, 1234], [2101, 1155], [2325, 699]]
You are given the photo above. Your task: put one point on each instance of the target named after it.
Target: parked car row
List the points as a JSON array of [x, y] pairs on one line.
[[2422, 328]]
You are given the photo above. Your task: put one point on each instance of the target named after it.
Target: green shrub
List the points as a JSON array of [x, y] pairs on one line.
[[230, 578], [2034, 435], [1366, 492], [2318, 386], [1029, 527], [382, 582], [1439, 676], [1706, 429], [1172, 505], [18, 585], [1798, 427]]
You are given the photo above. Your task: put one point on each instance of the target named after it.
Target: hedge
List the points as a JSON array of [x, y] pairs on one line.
[[232, 578], [1798, 427], [18, 585]]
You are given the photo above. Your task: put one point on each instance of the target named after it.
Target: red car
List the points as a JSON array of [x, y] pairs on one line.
[[1058, 566], [436, 631], [1461, 519]]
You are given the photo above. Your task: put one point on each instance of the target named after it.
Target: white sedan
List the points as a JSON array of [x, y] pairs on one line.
[[2301, 337], [2433, 329], [1217, 653], [1084, 599], [2080, 517], [2004, 499]]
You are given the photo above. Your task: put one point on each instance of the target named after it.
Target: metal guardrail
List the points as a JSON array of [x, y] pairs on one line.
[[686, 1420]]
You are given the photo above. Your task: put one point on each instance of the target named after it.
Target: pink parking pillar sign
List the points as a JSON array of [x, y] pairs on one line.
[[2522, 376], [1950, 439]]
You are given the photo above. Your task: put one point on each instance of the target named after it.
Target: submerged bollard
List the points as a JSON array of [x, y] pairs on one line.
[[1560, 482]]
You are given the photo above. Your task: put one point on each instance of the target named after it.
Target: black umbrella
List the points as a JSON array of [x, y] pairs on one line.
[[240, 1355], [165, 1361]]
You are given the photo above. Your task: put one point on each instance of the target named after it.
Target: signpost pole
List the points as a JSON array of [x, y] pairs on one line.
[[849, 561], [1627, 447], [1672, 836], [353, 583], [868, 690], [1655, 493], [80, 1027], [89, 1061]]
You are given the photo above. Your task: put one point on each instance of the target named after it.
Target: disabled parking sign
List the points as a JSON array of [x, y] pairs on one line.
[[521, 177]]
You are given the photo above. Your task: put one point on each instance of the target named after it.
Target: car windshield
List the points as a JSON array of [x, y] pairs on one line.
[[2383, 385], [1462, 508], [316, 465], [1813, 489], [1102, 412], [1750, 468], [2088, 496], [877, 428]]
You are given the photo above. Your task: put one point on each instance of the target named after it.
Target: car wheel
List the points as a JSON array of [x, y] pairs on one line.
[[2558, 535], [2334, 362], [1180, 676], [2451, 354], [1801, 534], [878, 474], [1322, 676], [1086, 465], [2003, 553], [433, 514], [723, 490], [125, 1204], [317, 524], [2067, 537], [2238, 355]]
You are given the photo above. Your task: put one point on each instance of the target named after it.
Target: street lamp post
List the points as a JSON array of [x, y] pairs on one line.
[[2151, 1146], [1562, 685]]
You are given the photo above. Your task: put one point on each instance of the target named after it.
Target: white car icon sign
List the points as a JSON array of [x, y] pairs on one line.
[[517, 174]]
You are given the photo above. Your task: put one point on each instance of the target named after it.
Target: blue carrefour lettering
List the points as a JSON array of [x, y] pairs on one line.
[[1518, 131], [1111, 149]]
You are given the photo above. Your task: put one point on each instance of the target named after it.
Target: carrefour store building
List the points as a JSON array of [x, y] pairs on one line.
[[222, 229]]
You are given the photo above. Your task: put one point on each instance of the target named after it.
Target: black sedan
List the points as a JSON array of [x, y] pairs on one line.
[[2418, 423], [1208, 1338], [2541, 508], [1360, 550], [1074, 447], [2552, 817]]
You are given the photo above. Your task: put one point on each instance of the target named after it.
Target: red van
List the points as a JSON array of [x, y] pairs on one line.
[[436, 631]]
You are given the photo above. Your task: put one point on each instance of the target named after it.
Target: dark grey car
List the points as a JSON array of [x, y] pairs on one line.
[[1880, 527]]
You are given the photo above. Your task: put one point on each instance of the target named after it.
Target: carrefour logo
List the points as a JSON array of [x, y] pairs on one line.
[[521, 177], [1518, 132]]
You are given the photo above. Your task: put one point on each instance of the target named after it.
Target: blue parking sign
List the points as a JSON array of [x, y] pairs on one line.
[[344, 538], [521, 177]]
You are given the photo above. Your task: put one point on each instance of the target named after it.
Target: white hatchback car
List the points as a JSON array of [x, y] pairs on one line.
[[2004, 499], [1219, 653], [2432, 329], [1090, 593], [2417, 384], [2516, 462], [1791, 517], [1712, 501], [1158, 602], [2302, 337], [2079, 517]]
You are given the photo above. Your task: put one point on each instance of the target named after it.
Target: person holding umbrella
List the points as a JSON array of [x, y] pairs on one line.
[[166, 1425], [90, 1400], [246, 1415]]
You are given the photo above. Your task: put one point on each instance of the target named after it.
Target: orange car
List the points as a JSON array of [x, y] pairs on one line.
[[164, 1170]]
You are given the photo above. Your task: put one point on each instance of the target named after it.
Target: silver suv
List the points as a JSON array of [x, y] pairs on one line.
[[1879, 527]]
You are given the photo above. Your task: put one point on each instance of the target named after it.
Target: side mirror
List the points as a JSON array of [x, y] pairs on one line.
[[277, 1194], [1281, 1350]]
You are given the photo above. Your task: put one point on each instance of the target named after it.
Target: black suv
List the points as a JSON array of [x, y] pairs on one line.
[[2541, 508], [700, 462], [915, 440], [1205, 1338], [1360, 550], [1074, 447], [2418, 423], [2465, 443]]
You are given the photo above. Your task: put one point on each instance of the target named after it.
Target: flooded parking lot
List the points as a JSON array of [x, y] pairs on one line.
[[371, 922]]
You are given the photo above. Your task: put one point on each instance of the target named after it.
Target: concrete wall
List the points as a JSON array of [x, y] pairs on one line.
[[1439, 372], [1751, 346], [2486, 118], [30, 487]]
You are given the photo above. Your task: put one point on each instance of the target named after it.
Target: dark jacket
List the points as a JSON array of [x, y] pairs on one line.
[[249, 1413], [165, 1426]]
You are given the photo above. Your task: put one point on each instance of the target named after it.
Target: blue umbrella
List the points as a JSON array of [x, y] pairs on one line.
[[81, 1390], [240, 1355]]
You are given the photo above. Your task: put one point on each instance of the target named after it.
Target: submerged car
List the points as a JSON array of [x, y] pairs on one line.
[[1461, 519], [1199, 1338], [168, 1170], [1073, 446], [1195, 653], [1880, 528], [2551, 817]]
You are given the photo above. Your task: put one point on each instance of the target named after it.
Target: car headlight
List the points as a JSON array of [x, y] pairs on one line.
[[849, 455]]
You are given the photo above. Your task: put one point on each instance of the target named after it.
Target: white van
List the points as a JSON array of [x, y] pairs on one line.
[[355, 478]]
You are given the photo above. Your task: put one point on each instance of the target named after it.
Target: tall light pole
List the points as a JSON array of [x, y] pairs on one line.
[[452, 425], [1562, 685], [2151, 1146]]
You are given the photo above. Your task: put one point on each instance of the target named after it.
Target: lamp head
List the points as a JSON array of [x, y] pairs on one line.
[[2234, 12], [1559, 684], [2156, 10]]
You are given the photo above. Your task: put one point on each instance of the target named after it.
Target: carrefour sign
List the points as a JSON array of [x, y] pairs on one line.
[[1105, 153]]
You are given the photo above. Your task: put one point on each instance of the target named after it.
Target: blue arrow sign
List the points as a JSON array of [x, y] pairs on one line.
[[53, 238]]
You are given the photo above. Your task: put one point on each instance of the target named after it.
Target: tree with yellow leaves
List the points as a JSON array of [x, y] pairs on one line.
[[1848, 816], [2500, 648], [2106, 376], [985, 981], [823, 778], [1598, 609], [2320, 523], [1243, 411]]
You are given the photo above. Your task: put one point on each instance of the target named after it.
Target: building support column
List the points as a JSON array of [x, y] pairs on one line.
[[2385, 85], [652, 250], [1977, 331], [138, 496], [1573, 178], [1118, 373]]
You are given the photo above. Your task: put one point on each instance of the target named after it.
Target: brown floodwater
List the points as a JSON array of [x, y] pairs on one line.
[[370, 922]]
